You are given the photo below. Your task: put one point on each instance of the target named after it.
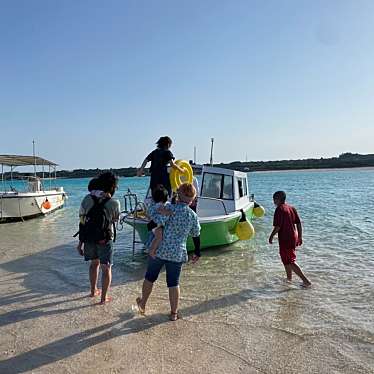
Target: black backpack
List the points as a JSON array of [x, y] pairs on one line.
[[96, 226]]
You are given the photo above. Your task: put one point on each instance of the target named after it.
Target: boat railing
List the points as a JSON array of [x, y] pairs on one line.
[[131, 202], [214, 199]]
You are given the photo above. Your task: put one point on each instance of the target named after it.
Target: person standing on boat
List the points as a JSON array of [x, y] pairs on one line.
[[100, 252], [172, 252], [160, 158]]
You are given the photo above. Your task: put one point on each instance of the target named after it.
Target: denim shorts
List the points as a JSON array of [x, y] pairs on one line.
[[173, 271], [103, 252]]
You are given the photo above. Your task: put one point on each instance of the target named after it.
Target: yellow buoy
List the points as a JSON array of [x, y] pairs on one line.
[[244, 229], [177, 178], [258, 211]]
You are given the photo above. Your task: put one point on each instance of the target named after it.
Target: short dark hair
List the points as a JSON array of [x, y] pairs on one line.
[[280, 195], [107, 181], [164, 142], [160, 194], [93, 184]]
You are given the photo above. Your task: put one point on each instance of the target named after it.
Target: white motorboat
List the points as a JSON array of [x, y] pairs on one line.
[[37, 196]]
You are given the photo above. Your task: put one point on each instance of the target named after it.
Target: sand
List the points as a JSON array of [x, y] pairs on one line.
[[230, 324]]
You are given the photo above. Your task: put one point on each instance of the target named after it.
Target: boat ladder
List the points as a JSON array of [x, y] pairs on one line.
[[132, 209]]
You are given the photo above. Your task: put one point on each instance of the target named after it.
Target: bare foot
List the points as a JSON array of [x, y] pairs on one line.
[[107, 300], [174, 316], [97, 292], [141, 308], [306, 284]]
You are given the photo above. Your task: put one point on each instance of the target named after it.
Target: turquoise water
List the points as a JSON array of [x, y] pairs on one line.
[[336, 207]]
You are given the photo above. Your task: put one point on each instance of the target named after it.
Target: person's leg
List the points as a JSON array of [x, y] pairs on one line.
[[105, 253], [286, 262], [106, 279], [174, 295], [173, 271], [90, 254], [296, 268], [156, 241], [94, 274], [288, 269], [153, 270], [146, 292]]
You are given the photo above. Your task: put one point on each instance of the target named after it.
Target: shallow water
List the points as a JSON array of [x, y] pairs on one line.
[[238, 291]]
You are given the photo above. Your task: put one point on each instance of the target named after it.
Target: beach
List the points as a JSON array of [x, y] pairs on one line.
[[238, 314]]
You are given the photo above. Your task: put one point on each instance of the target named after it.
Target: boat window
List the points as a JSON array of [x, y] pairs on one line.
[[242, 187], [212, 185], [227, 188]]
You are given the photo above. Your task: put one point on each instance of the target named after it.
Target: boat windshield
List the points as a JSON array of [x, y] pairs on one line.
[[217, 186]]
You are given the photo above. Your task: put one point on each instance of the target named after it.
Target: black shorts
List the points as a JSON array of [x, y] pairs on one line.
[[103, 252]]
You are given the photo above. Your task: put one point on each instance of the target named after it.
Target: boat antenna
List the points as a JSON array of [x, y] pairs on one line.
[[211, 152], [33, 153], [194, 154]]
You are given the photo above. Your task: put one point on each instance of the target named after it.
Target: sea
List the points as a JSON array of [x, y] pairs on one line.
[[333, 320]]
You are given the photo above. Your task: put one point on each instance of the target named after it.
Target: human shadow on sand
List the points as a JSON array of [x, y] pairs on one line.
[[126, 324], [61, 271]]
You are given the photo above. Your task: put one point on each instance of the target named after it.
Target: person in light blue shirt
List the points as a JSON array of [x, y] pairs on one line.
[[172, 252]]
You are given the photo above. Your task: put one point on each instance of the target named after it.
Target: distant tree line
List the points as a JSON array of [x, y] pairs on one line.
[[345, 160]]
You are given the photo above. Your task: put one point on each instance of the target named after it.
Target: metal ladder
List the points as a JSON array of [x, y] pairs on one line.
[[132, 206]]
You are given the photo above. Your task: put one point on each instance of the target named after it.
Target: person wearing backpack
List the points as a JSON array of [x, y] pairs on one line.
[[98, 214]]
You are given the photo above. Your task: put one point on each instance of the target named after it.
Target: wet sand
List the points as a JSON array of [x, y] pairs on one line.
[[235, 320]]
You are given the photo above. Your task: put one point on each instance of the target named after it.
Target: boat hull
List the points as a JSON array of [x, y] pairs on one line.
[[215, 231], [23, 205]]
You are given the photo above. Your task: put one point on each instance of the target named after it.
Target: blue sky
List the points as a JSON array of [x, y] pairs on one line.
[[96, 83]]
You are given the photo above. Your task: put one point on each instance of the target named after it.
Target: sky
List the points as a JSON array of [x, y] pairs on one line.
[[96, 83]]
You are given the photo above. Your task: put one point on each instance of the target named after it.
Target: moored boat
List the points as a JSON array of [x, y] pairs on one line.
[[222, 197], [35, 198]]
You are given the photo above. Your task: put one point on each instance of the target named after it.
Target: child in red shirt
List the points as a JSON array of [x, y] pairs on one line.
[[285, 219]]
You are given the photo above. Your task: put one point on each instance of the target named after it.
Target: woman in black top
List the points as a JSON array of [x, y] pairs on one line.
[[160, 158]]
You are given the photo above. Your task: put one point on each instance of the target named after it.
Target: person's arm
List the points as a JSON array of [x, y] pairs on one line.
[[175, 166], [299, 234], [273, 233], [277, 223], [114, 210], [140, 171], [297, 222], [164, 211]]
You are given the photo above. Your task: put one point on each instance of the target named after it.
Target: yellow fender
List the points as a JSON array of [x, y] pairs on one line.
[[258, 211], [244, 229], [177, 178]]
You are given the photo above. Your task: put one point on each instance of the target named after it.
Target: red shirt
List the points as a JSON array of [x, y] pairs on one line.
[[286, 217]]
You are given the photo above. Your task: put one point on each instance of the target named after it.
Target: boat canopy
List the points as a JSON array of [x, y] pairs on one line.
[[14, 160], [223, 191]]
